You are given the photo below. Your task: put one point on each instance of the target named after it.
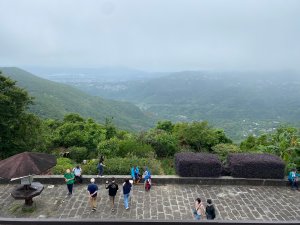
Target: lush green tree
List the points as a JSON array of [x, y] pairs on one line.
[[199, 135], [249, 144], [73, 118], [284, 142], [134, 147], [164, 143], [109, 148], [110, 128], [19, 130], [222, 150], [165, 125], [76, 131], [78, 153]]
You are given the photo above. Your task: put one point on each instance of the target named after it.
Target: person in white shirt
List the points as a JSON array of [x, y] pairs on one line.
[[77, 172]]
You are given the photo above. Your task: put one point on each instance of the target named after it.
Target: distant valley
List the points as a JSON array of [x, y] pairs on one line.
[[242, 103]]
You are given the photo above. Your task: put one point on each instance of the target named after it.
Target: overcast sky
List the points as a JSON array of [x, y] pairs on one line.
[[153, 35]]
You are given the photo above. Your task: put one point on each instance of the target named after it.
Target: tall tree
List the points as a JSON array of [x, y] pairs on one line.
[[19, 130]]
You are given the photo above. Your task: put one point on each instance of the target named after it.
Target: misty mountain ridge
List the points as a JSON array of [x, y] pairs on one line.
[[242, 103]]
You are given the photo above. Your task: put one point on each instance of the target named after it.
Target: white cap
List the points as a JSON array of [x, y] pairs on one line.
[[93, 180]]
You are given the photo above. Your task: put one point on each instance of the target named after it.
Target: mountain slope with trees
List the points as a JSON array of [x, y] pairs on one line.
[[54, 100], [242, 103]]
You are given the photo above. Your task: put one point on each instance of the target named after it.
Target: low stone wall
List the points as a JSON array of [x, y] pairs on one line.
[[24, 221], [161, 180]]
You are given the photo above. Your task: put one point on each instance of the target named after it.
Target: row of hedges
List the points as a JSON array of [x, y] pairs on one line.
[[189, 164], [113, 166], [244, 165]]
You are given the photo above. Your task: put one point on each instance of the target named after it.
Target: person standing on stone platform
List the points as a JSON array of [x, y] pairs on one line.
[[69, 179], [293, 179], [112, 191], [126, 192], [210, 210], [132, 173], [199, 210], [93, 190]]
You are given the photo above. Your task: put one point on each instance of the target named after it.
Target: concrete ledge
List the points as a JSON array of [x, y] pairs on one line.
[[161, 180], [31, 221]]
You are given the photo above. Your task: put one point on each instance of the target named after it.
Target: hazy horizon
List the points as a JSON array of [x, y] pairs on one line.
[[152, 36]]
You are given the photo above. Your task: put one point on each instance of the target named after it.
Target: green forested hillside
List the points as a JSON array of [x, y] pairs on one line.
[[54, 100], [241, 103]]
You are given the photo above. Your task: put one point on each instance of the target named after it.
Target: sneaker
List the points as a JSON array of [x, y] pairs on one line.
[[127, 208], [93, 209], [112, 209]]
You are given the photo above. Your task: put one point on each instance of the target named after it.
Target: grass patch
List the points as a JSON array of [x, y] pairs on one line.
[[15, 208]]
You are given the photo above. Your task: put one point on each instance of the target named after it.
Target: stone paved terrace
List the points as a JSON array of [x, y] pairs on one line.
[[163, 202]]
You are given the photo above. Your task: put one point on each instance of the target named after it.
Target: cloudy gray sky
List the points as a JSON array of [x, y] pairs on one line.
[[154, 35]]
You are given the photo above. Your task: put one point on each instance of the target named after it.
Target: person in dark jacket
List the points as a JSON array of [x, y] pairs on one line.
[[112, 191], [210, 210], [126, 192]]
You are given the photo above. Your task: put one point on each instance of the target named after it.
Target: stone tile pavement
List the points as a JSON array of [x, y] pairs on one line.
[[163, 202]]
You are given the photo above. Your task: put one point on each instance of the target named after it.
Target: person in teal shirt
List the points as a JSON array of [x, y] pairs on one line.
[[69, 179], [293, 179]]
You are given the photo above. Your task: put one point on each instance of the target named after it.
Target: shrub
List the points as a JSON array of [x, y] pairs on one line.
[[190, 164], [255, 165], [164, 143], [109, 148], [222, 150], [78, 153], [121, 166], [62, 165], [133, 147], [90, 168]]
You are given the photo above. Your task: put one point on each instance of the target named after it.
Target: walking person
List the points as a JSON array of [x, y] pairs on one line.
[[112, 191], [210, 210], [126, 192], [69, 179], [93, 190], [77, 172], [199, 211], [100, 168]]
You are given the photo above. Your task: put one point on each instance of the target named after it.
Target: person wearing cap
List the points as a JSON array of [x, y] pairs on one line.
[[112, 191], [69, 179], [93, 190]]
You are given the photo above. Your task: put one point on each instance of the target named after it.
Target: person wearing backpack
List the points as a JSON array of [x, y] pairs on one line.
[[112, 191], [210, 210]]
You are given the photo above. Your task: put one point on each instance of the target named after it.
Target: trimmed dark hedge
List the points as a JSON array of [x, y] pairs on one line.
[[189, 164], [254, 165]]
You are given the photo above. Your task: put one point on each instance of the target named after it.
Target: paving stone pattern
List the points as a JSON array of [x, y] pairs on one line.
[[163, 202]]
